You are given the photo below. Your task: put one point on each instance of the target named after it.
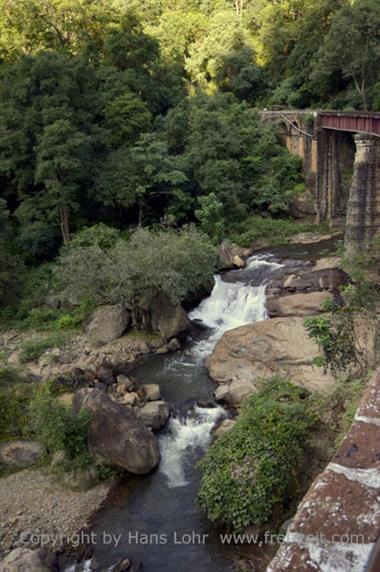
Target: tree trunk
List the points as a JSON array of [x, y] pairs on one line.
[[64, 224]]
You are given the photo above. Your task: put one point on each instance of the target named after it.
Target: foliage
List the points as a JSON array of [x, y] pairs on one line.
[[14, 414], [59, 428], [356, 24], [270, 230], [32, 349], [336, 338], [210, 215], [172, 263], [343, 348], [252, 469]]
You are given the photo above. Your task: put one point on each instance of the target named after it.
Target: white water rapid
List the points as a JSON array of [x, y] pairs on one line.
[[232, 304], [189, 433]]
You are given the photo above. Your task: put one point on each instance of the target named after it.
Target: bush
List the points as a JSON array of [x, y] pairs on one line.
[[98, 235], [34, 348], [10, 376], [173, 263], [252, 470], [15, 422], [60, 429]]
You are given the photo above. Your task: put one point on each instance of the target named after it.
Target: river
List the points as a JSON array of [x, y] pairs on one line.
[[155, 518]]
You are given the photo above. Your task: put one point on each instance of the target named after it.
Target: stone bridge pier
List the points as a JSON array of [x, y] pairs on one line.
[[363, 207], [341, 164]]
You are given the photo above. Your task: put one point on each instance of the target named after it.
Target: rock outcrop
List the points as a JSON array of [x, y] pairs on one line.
[[231, 256], [298, 304], [280, 346], [20, 453], [117, 434], [169, 320], [108, 323], [301, 280], [25, 559]]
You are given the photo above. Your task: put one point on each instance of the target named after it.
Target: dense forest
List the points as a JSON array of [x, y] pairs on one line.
[[143, 113]]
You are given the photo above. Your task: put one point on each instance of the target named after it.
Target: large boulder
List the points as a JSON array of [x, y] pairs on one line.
[[24, 559], [168, 319], [231, 256], [117, 434], [281, 346], [108, 323], [20, 453], [298, 304], [155, 414]]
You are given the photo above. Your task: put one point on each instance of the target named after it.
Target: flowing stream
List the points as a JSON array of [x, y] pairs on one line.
[[157, 516]]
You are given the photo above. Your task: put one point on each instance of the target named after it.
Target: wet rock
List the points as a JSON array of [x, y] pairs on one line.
[[122, 565], [155, 414], [20, 453], [108, 323], [173, 345], [117, 434], [223, 427], [222, 393], [152, 391], [163, 350], [231, 256], [21, 559], [206, 404]]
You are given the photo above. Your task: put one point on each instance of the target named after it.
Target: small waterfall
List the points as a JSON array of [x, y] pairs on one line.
[[232, 304], [185, 435]]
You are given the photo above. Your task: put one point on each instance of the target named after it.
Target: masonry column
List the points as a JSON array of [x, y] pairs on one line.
[[329, 177], [363, 208]]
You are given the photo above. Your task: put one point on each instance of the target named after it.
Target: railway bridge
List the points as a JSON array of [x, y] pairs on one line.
[[341, 163]]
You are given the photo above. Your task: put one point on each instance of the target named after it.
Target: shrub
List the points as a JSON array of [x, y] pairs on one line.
[[34, 348], [271, 230], [173, 263], [60, 429], [98, 235], [251, 470], [10, 376], [15, 420]]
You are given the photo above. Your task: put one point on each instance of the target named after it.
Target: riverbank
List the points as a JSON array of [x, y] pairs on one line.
[[38, 510]]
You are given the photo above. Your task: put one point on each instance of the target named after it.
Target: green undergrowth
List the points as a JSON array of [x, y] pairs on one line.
[[33, 411], [33, 348], [251, 471], [284, 436], [269, 231]]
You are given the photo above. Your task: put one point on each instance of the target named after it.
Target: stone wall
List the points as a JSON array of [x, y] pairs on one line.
[[338, 521]]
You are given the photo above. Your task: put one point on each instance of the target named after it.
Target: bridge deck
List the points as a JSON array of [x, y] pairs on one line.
[[358, 122]]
